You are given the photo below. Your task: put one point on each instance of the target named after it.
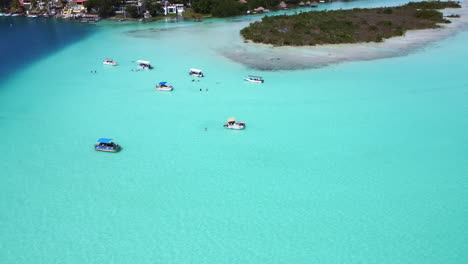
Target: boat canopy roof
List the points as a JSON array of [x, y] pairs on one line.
[[104, 140], [195, 70], [143, 62], [231, 119], [258, 77], [162, 83]]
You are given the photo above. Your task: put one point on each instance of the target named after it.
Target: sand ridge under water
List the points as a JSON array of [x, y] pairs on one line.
[[268, 57]]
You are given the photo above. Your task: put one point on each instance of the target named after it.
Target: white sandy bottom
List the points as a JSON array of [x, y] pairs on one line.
[[266, 57]]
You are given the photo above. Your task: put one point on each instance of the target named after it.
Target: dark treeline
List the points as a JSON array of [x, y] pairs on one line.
[[217, 8], [106, 8], [226, 8], [4, 3]]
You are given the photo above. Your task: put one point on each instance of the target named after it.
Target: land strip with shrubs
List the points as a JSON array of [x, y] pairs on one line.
[[346, 26]]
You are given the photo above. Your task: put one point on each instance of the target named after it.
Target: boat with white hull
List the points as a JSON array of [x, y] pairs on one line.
[[110, 62], [162, 86], [144, 64], [232, 124], [196, 72], [254, 79]]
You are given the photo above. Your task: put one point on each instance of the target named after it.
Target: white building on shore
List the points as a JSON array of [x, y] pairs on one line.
[[173, 8]]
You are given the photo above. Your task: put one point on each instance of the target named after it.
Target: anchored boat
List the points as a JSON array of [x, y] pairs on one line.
[[106, 145], [144, 64], [196, 72], [108, 61], [255, 79], [232, 124], [162, 86]]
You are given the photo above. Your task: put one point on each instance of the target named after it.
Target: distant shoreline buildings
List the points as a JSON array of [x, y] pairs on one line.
[[93, 10]]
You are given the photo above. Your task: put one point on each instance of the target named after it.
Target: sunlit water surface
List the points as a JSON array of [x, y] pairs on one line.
[[359, 162]]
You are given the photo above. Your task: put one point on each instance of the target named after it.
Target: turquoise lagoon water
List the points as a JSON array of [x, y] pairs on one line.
[[360, 162]]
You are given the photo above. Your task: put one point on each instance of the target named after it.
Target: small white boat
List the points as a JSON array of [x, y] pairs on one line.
[[232, 124], [32, 16], [15, 15], [255, 79], [108, 61], [162, 86], [196, 72], [144, 64]]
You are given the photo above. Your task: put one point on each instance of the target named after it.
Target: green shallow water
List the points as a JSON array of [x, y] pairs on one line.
[[361, 162]]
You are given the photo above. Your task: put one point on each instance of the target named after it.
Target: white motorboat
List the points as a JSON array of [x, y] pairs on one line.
[[196, 72], [232, 124], [255, 79], [144, 64], [162, 86], [108, 61]]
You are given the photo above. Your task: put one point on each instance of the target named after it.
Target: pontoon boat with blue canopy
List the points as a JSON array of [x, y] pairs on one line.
[[162, 86], [107, 145]]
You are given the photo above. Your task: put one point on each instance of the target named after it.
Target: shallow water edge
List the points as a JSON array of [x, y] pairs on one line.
[[269, 58]]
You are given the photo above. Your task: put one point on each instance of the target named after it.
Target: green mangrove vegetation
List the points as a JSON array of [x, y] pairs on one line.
[[346, 26], [228, 8]]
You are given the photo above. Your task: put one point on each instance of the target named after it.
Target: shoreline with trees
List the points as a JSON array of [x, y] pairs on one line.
[[149, 9], [346, 26], [267, 57]]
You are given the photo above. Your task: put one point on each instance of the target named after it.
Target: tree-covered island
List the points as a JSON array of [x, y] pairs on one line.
[[346, 26]]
